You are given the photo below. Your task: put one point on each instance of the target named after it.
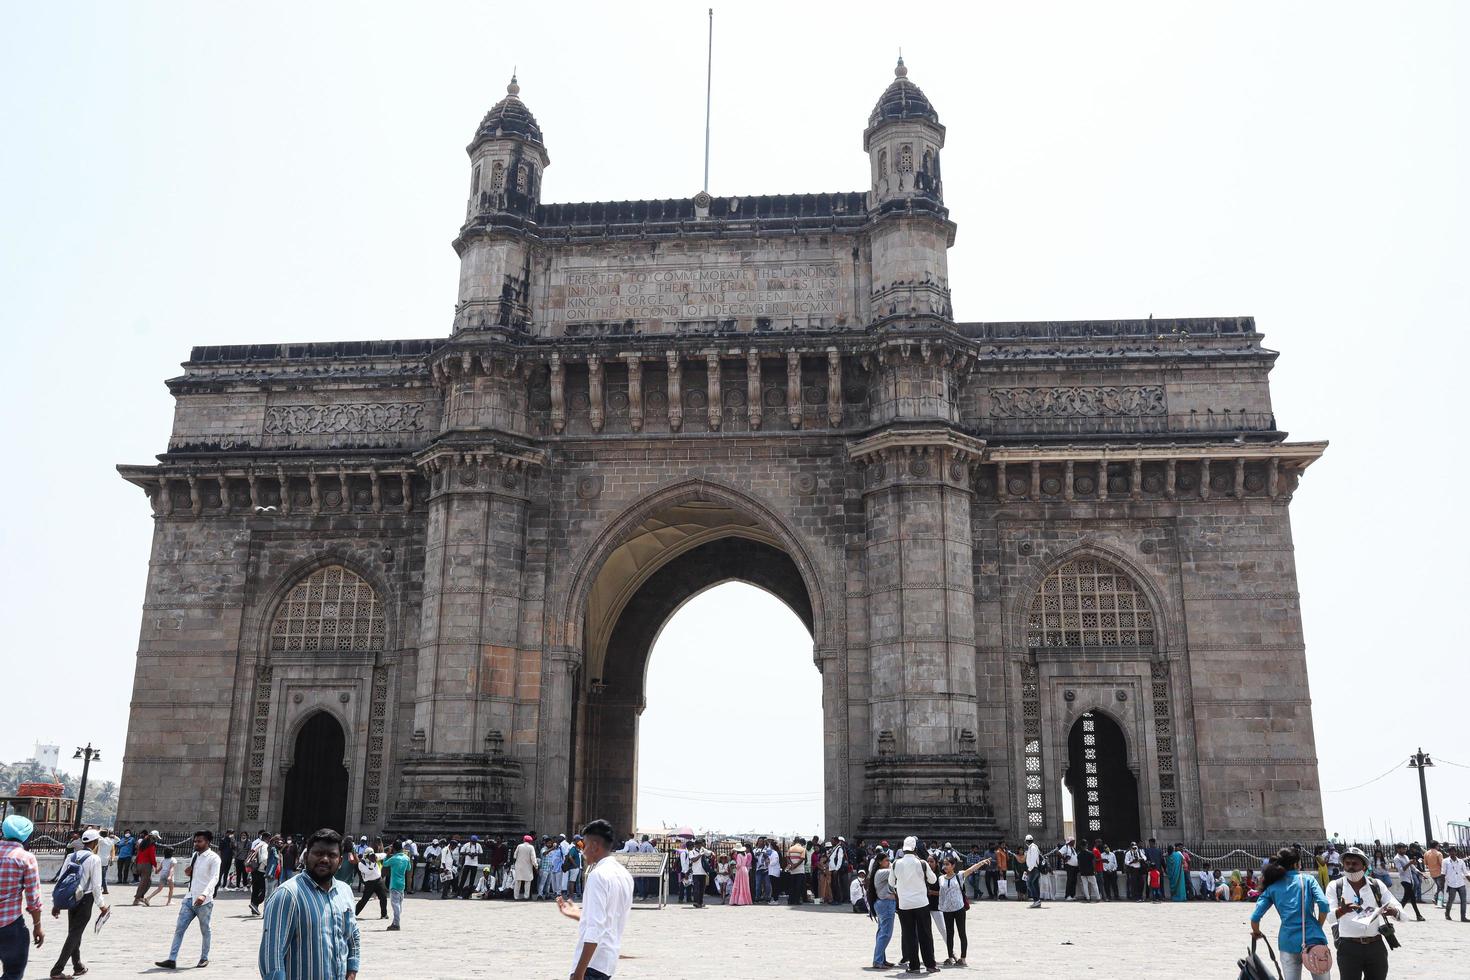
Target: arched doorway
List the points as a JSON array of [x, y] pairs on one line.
[[316, 785], [1104, 790], [673, 556], [731, 736]]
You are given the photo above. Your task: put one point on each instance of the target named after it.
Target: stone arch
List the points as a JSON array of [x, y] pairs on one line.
[[1018, 604], [607, 689], [626, 525]]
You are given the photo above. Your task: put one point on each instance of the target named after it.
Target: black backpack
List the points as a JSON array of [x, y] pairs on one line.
[[1251, 967]]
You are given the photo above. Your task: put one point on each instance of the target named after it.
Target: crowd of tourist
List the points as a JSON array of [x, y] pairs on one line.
[[923, 887]]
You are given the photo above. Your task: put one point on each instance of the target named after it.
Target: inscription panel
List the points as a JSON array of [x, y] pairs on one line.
[[666, 293]]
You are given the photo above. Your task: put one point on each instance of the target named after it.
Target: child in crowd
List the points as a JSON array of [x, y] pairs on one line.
[[1155, 884], [165, 877]]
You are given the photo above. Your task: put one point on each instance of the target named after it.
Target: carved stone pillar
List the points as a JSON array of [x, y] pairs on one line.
[[753, 394], [676, 392], [834, 387], [1204, 479], [793, 389], [558, 394], [635, 391], [594, 392], [715, 404]]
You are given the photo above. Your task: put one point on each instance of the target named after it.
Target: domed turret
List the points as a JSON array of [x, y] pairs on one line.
[[903, 140], [911, 231], [507, 157], [508, 117], [902, 100]]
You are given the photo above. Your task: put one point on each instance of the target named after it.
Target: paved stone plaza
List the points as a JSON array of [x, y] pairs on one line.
[[500, 939]]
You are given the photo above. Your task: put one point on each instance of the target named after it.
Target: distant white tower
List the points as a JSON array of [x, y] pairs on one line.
[[49, 756]]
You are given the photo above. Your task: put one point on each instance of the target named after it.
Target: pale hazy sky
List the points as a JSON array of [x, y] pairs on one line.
[[177, 174]]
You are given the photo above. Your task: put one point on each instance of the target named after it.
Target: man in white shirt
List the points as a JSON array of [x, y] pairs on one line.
[[773, 871], [260, 855], [1360, 905], [911, 879], [606, 902], [698, 860], [203, 873], [469, 865], [1133, 862], [431, 864], [1454, 882], [1033, 871], [106, 848], [89, 895], [1068, 851]]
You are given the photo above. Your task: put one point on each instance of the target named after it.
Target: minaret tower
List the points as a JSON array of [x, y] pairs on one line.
[[911, 227], [507, 159]]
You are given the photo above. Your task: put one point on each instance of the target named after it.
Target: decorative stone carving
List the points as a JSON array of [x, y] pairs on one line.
[[1088, 402], [290, 420]]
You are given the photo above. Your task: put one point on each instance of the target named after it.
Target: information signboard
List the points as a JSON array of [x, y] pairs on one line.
[[653, 865]]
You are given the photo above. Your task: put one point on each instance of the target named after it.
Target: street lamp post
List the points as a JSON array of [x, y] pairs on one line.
[[1421, 762], [87, 755]]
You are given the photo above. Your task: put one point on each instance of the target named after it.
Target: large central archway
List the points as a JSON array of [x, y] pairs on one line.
[[666, 556]]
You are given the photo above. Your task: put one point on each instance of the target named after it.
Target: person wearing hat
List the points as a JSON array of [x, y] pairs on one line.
[[1033, 871], [20, 892], [1360, 905], [912, 877], [469, 865], [523, 869], [89, 896]]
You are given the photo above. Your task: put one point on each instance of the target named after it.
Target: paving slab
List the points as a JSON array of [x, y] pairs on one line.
[[457, 939]]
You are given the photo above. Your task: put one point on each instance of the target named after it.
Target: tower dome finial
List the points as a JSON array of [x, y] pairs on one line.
[[514, 87], [899, 71]]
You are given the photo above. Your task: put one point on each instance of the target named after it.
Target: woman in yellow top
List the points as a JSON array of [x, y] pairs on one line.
[[1237, 890]]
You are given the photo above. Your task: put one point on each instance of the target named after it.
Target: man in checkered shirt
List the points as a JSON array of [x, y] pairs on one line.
[[20, 886]]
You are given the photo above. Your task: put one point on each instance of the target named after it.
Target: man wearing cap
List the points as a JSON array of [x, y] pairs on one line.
[[20, 891], [1360, 905], [912, 877], [88, 896], [469, 865], [1033, 871], [523, 869], [203, 873]]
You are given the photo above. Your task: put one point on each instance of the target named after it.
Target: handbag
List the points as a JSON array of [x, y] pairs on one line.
[[1315, 959], [1251, 967]]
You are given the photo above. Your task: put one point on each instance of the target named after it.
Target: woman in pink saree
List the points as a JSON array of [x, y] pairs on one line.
[[740, 889]]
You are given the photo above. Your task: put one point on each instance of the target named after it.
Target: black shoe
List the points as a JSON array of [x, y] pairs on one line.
[[254, 910], [392, 929], [167, 964], [201, 964]]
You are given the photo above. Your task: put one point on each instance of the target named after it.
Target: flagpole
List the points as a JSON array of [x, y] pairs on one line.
[[708, 88]]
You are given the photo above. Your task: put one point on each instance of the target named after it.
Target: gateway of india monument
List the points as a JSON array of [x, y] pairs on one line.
[[412, 585]]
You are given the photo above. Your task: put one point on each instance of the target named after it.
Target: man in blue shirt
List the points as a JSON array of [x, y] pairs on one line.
[[310, 929], [126, 847]]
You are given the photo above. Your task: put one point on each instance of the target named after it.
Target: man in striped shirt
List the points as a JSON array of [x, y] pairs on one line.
[[310, 929]]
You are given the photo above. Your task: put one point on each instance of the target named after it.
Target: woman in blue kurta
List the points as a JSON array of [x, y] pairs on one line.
[[1174, 868], [1288, 889]]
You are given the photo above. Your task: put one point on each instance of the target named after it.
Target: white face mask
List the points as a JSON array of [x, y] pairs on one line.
[[1355, 876]]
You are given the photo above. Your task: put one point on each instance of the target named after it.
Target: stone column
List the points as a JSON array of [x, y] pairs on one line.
[[925, 774], [552, 806]]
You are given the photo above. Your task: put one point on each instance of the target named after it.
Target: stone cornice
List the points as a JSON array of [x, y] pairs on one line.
[[911, 441], [1301, 454]]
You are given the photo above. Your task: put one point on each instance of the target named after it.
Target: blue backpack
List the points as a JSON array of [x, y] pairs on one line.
[[64, 895]]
